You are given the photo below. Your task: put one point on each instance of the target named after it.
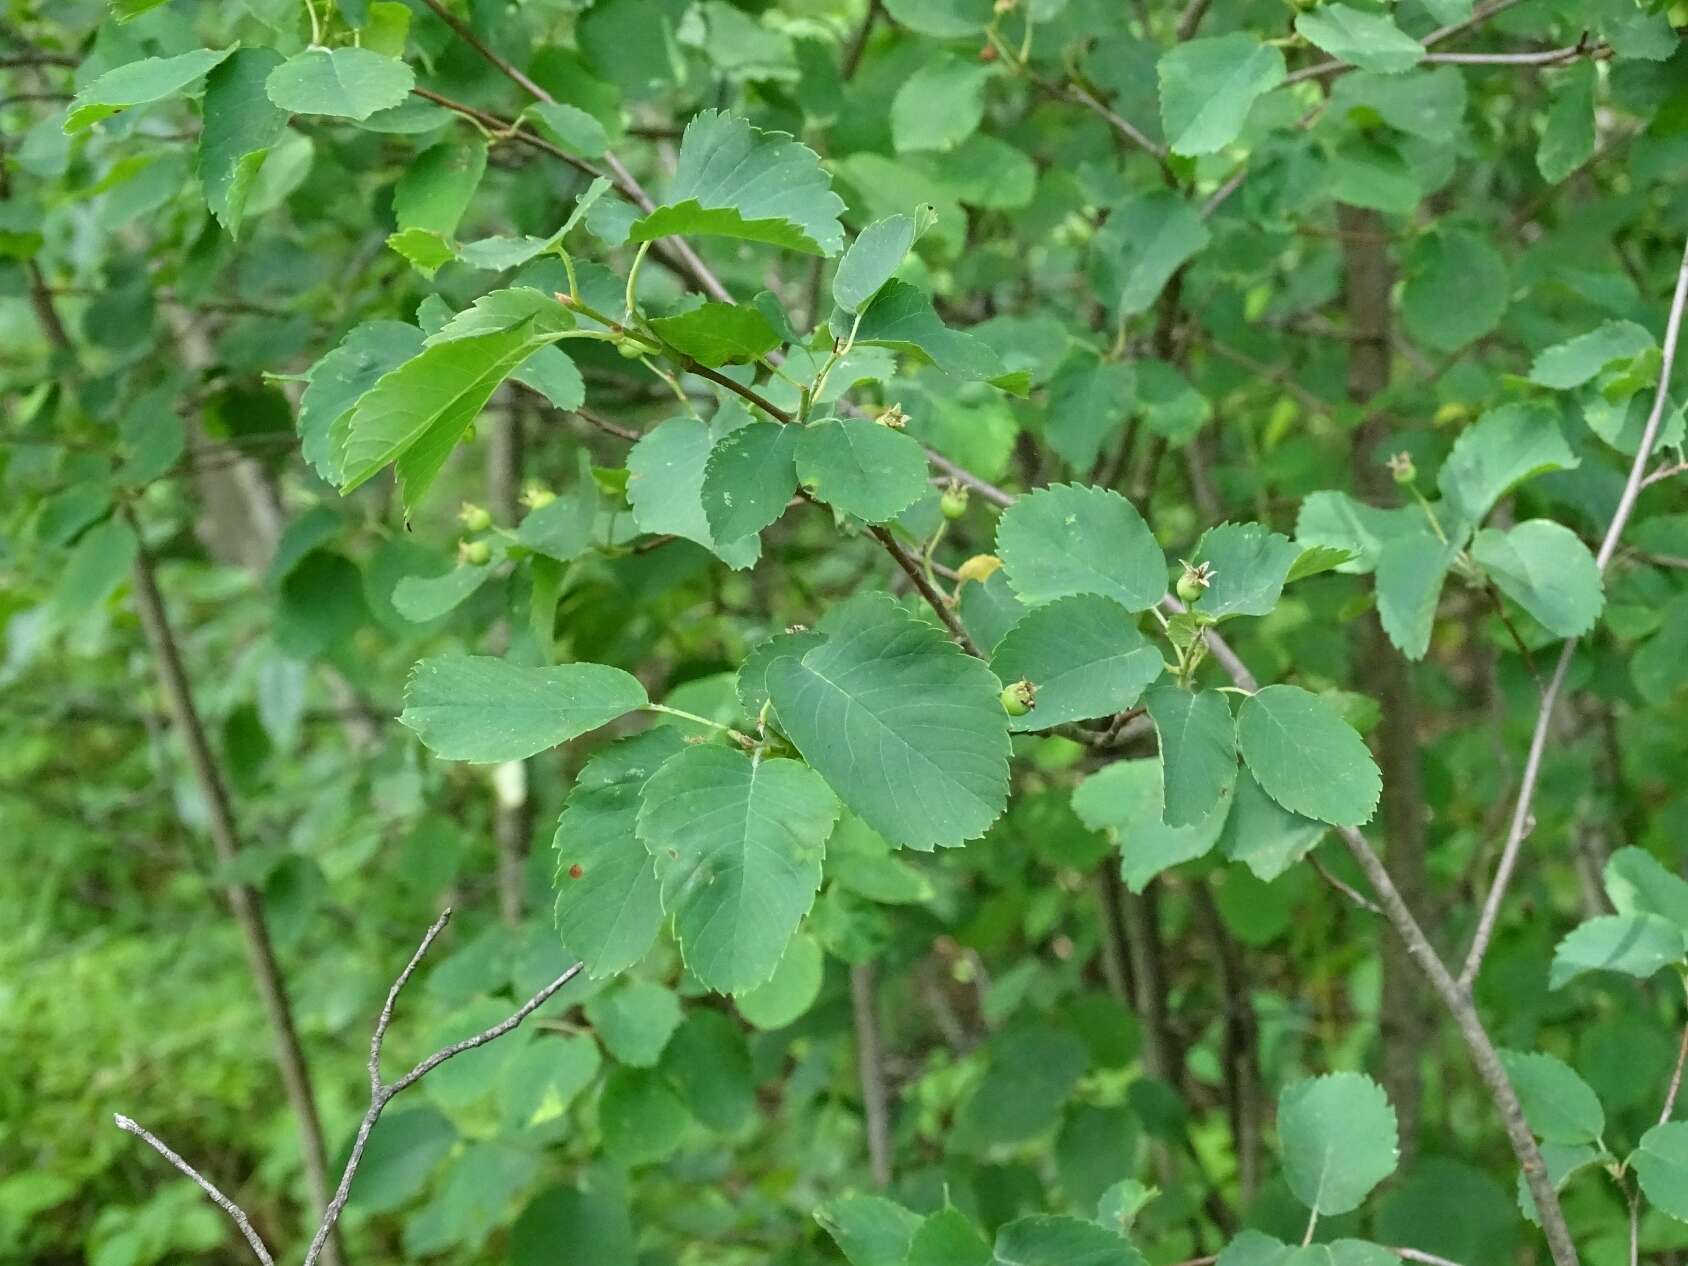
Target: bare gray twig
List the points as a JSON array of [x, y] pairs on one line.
[[204, 1184], [1523, 819], [381, 1093]]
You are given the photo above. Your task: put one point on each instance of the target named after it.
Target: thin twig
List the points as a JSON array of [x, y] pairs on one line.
[[381, 1094], [934, 599], [217, 1197], [1347, 890], [1522, 816], [739, 389], [1675, 1078]]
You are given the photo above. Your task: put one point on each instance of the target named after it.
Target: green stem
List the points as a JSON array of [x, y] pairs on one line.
[[633, 282], [743, 740]]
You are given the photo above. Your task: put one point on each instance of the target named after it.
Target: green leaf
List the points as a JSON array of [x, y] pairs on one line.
[[1575, 361], [422, 599], [1506, 446], [709, 1068], [571, 127], [749, 479], [1262, 834], [1084, 656], [424, 249], [642, 1120], [1198, 751], [1338, 1138], [1661, 1166], [608, 909], [1044, 1240], [1562, 1165], [240, 124], [347, 83], [437, 186], [1456, 289], [941, 104], [1636, 883], [902, 318], [869, 1230], [1410, 572], [551, 373], [944, 19], [1317, 559], [1306, 757], [403, 1149], [95, 567], [717, 334], [139, 83], [634, 1021], [1334, 520], [1546, 569], [1146, 239], [862, 468], [1567, 138], [1369, 170], [1071, 539], [1369, 41], [666, 470], [1126, 800], [416, 414], [788, 994], [872, 260], [1249, 568], [1634, 944], [475, 708], [734, 180], [499, 253], [1559, 1105], [738, 846], [947, 1238], [1032, 1074], [1208, 85], [1424, 103], [1252, 1248], [907, 728], [336, 382], [1089, 402]]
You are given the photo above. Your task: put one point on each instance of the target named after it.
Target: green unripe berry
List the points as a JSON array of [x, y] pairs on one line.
[[954, 502], [1401, 468], [536, 496], [1019, 698], [474, 517], [1189, 588], [474, 553]]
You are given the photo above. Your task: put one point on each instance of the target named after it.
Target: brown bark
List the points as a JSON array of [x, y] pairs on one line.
[[242, 899], [870, 1071], [1403, 1022]]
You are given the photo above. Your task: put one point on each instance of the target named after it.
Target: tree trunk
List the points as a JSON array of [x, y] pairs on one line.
[[1403, 1023]]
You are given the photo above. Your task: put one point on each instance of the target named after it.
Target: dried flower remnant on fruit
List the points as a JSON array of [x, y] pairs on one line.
[[1019, 698], [1195, 580], [1401, 468], [894, 417]]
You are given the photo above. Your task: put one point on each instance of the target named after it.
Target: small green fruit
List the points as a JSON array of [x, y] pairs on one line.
[[1019, 698], [474, 553], [1401, 468], [536, 496], [1189, 588], [954, 502], [474, 517]]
